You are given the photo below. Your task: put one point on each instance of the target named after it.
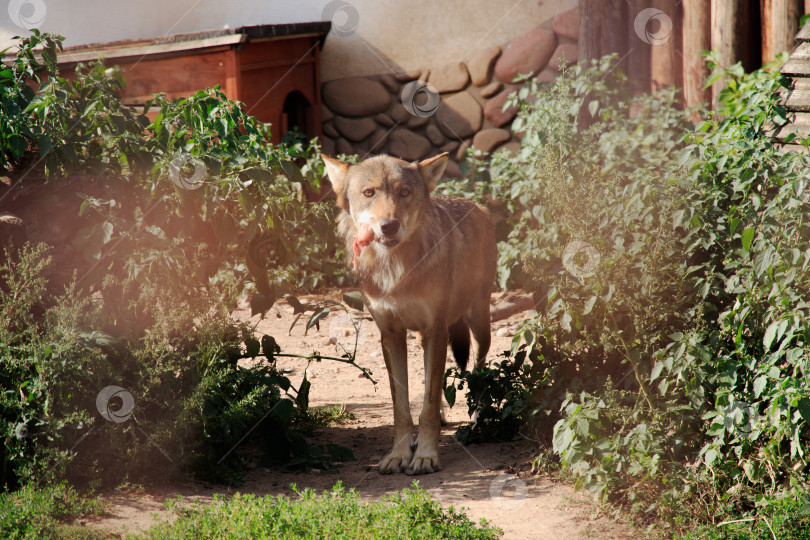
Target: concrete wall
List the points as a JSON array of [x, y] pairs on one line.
[[370, 37]]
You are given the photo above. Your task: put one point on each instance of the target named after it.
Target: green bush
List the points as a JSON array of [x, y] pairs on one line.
[[668, 263], [188, 213], [41, 512], [336, 514]]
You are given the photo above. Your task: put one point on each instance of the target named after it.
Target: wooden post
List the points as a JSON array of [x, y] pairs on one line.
[[730, 36], [614, 22], [697, 36], [780, 23], [638, 50], [666, 59], [591, 13]]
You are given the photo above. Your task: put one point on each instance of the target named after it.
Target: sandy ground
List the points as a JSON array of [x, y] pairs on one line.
[[491, 481]]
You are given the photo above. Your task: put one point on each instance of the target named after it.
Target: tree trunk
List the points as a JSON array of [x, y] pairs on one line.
[[780, 23], [697, 36]]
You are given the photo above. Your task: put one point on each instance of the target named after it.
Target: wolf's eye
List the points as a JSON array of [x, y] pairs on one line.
[[404, 192], [369, 193]]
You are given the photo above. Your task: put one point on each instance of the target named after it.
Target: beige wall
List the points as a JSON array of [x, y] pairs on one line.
[[385, 35]]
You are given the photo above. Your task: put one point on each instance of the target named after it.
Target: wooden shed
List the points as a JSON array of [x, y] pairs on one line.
[[273, 69]]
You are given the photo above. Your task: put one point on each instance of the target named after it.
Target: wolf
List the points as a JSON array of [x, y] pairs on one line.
[[425, 263]]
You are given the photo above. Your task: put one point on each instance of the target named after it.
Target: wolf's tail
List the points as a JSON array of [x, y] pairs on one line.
[[459, 334]]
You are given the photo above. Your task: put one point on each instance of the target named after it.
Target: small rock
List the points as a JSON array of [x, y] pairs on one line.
[[459, 116], [526, 53], [407, 145], [452, 170], [547, 76], [330, 131], [356, 96], [406, 76], [377, 140], [418, 121], [344, 147], [491, 89], [462, 149], [390, 82], [355, 129], [399, 113], [449, 147], [481, 64], [564, 54], [331, 340], [384, 120], [326, 114], [566, 24], [487, 140], [434, 135], [450, 78], [494, 111], [327, 146], [502, 332]]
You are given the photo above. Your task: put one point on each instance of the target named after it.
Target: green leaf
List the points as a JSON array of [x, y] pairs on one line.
[[354, 300], [315, 320], [450, 395], [302, 399], [656, 370], [747, 237], [292, 172], [770, 334], [804, 409], [253, 347], [759, 385], [269, 346]]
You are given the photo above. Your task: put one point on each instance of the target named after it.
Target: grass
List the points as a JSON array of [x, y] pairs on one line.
[[51, 512], [338, 514], [787, 517], [46, 512]]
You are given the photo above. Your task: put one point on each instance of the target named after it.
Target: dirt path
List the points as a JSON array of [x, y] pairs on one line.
[[491, 480]]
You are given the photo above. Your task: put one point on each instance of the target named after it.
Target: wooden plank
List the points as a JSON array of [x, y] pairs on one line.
[[802, 52], [796, 68], [638, 52], [614, 22], [780, 23], [666, 59], [591, 14], [799, 125], [731, 37], [804, 33], [149, 50], [697, 37], [797, 98]]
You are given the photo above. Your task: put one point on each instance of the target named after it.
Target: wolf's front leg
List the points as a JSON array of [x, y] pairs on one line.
[[426, 458], [395, 352]]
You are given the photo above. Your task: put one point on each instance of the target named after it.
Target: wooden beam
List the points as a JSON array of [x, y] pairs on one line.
[[697, 36], [780, 23], [666, 58]]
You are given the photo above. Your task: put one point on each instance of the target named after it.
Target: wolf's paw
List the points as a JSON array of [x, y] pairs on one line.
[[424, 464], [395, 462]]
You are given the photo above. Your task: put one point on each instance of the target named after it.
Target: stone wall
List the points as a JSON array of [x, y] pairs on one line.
[[446, 108]]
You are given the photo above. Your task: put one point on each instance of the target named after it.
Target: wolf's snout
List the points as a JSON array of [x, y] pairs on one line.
[[389, 227]]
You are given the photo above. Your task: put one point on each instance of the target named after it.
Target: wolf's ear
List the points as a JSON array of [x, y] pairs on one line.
[[432, 170], [336, 170]]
